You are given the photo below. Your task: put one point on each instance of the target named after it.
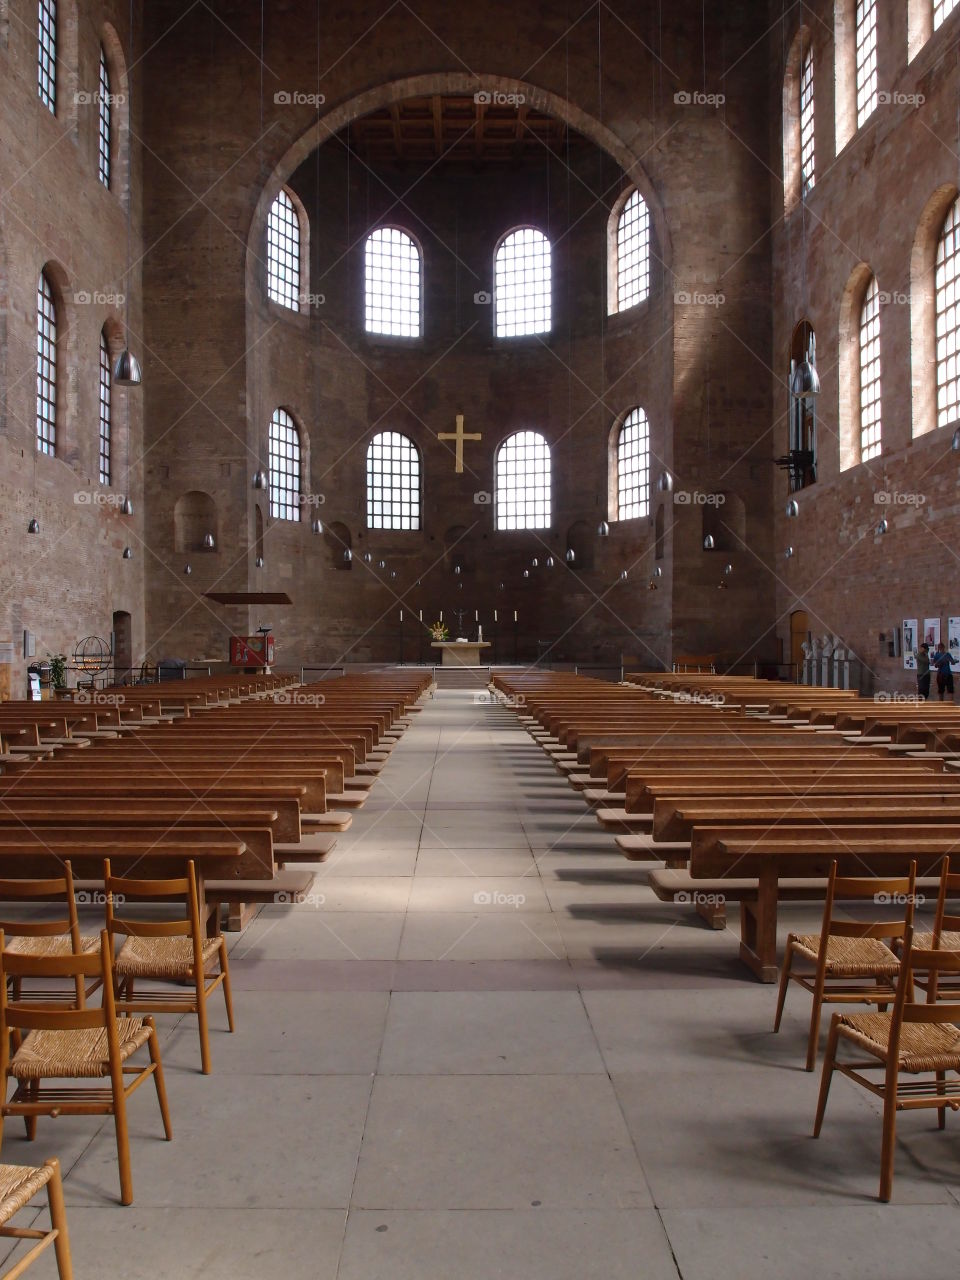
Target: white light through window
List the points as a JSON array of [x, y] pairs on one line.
[[866, 59], [523, 482], [46, 367], [393, 482], [523, 285], [284, 467], [47, 53], [633, 253], [942, 10], [870, 373], [283, 253], [391, 284], [104, 103], [948, 320], [105, 410], [807, 166], [633, 466]]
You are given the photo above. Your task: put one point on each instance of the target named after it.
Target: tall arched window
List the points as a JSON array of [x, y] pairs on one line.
[[948, 319], [523, 284], [105, 108], [105, 410], [391, 284], [633, 467], [941, 11], [285, 467], [870, 430], [632, 254], [523, 482], [283, 253], [393, 482], [866, 59], [47, 53], [807, 121], [46, 367]]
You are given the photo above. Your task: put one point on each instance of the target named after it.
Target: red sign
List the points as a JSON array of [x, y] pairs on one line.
[[251, 651]]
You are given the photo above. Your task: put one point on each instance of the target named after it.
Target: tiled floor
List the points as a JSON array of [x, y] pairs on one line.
[[485, 1050]]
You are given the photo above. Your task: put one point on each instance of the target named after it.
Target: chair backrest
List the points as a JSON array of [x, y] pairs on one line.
[[60, 889], [123, 891], [945, 922], [25, 1015], [906, 1009], [896, 894]]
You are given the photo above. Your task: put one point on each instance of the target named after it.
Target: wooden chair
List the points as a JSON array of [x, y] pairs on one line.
[[57, 937], [914, 1039], [40, 1042], [852, 960], [946, 929], [18, 1185], [168, 951]]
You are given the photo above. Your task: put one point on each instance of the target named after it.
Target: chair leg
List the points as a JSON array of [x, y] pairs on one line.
[[889, 1140], [784, 982], [123, 1142], [813, 1040], [153, 1045], [941, 1111], [30, 1122], [827, 1077], [227, 993], [203, 1024], [58, 1219]]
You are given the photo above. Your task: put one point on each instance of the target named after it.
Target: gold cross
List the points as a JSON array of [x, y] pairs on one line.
[[459, 436]]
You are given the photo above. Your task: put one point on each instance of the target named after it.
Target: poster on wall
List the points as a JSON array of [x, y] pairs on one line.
[[931, 632], [953, 636], [909, 644]]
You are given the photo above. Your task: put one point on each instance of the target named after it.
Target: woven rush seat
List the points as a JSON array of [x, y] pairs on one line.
[[142, 957], [58, 945], [923, 1047], [77, 1054], [19, 1183], [857, 957], [949, 941]]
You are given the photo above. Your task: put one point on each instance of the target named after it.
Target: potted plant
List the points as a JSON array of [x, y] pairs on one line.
[[58, 671]]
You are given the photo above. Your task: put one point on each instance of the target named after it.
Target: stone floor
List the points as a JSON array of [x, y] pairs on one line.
[[485, 1050]]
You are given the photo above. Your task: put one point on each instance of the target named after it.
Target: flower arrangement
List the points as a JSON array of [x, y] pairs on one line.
[[439, 631]]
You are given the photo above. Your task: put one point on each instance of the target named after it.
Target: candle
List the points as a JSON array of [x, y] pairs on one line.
[[476, 615], [494, 615], [441, 615], [514, 615], [421, 615], [401, 615]]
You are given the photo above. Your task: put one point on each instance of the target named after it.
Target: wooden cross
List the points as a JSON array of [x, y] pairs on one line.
[[459, 436]]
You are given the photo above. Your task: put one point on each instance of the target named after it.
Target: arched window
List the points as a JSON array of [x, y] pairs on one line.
[[522, 284], [523, 482], [632, 254], [105, 107], [807, 120], [948, 318], [283, 253], [46, 367], [284, 462], [866, 59], [393, 482], [870, 373], [391, 284], [633, 467], [941, 11], [105, 410], [47, 53]]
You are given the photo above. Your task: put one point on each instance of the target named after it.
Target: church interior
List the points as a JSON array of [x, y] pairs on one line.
[[479, 504]]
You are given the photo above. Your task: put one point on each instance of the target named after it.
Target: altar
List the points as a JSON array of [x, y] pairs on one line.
[[461, 653]]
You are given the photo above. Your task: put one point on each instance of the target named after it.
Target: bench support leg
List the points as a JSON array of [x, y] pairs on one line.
[[239, 915], [715, 914], [758, 928]]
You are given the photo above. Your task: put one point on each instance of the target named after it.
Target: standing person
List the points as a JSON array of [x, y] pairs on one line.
[[943, 661], [923, 671]]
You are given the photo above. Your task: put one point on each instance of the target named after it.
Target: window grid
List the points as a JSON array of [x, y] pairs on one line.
[[105, 411], [284, 462], [523, 482], [105, 107], [47, 53], [633, 466], [948, 319], [46, 367], [866, 59], [942, 10], [391, 284], [870, 373], [523, 285], [633, 253], [807, 167], [393, 482], [283, 253]]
